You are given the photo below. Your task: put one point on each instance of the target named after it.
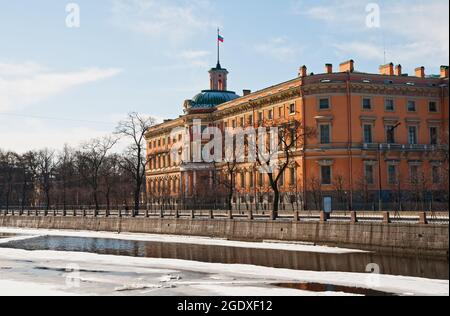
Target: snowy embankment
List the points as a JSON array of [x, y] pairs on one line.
[[226, 275], [180, 240], [47, 272]]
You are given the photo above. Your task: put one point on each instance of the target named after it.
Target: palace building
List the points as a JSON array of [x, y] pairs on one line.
[[380, 141]]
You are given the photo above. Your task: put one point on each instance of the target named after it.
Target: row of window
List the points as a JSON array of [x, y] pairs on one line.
[[161, 142], [413, 136], [261, 179], [393, 175], [389, 105], [261, 117]]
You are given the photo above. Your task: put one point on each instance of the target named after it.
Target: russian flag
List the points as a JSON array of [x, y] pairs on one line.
[[221, 39]]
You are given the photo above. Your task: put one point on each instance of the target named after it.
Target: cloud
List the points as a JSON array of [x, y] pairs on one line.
[[278, 48], [194, 58], [175, 21], [22, 85], [15, 134], [414, 31]]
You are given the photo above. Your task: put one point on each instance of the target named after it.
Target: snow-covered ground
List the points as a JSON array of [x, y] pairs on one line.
[[177, 239], [66, 273]]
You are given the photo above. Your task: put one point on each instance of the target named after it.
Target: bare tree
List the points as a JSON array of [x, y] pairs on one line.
[[315, 187], [339, 188], [8, 163], [65, 171], [45, 167], [89, 162], [27, 164], [135, 127], [291, 136]]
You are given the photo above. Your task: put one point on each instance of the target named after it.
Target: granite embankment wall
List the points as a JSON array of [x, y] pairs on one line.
[[402, 238]]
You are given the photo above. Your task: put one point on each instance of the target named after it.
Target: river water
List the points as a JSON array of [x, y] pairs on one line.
[[350, 262]]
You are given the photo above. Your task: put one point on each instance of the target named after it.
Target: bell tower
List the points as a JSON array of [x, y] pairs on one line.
[[218, 78]]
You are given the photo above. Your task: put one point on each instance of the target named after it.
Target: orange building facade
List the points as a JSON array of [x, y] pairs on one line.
[[380, 142]]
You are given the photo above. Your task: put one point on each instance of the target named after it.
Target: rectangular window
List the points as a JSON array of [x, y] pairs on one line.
[[367, 104], [242, 122], [325, 175], [389, 105], [392, 174], [292, 108], [251, 180], [368, 172], [292, 173], [411, 106], [260, 118], [433, 135], [432, 107], [414, 174], [368, 134], [412, 135], [390, 134], [270, 114], [435, 175], [233, 123], [324, 104], [250, 119], [280, 112], [281, 180], [242, 180], [325, 137], [260, 179]]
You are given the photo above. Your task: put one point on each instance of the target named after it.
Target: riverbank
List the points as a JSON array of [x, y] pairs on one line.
[[398, 238]]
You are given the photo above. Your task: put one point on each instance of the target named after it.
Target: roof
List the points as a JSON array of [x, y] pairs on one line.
[[212, 98]]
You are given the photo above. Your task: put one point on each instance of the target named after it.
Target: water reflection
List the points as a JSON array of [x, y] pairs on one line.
[[356, 262], [6, 235]]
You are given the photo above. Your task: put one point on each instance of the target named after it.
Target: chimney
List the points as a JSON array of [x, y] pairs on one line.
[[444, 72], [387, 70], [329, 68], [348, 66], [420, 72], [303, 72], [398, 70], [246, 92]]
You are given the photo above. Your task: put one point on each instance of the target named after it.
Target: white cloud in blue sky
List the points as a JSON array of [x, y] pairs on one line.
[[150, 55]]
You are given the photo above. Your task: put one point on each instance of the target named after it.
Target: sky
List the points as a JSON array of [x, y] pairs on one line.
[[61, 84]]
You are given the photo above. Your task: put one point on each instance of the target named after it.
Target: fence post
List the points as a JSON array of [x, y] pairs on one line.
[[323, 217], [386, 218], [230, 214], [192, 214], [211, 214], [250, 214], [353, 217], [296, 216], [423, 218]]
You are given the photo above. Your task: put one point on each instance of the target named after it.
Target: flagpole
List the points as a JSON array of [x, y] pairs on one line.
[[218, 47]]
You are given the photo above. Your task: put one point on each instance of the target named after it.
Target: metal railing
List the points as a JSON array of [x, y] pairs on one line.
[[436, 218]]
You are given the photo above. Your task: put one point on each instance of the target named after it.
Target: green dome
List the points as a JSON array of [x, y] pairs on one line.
[[210, 99]]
